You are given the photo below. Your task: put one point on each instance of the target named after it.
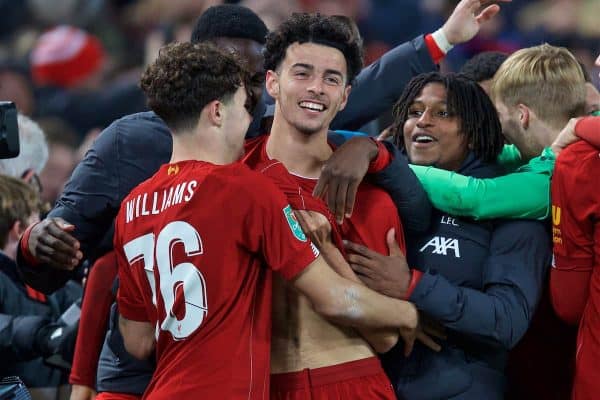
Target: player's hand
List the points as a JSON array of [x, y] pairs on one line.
[[388, 275], [413, 331], [81, 392], [316, 226], [342, 174], [565, 137], [466, 19], [51, 243], [386, 133]]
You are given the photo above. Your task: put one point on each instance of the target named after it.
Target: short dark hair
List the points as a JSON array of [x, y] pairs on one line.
[[314, 28], [186, 77], [229, 20], [466, 100], [483, 66]]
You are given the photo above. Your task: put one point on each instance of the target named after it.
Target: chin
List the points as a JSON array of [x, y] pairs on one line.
[[308, 130]]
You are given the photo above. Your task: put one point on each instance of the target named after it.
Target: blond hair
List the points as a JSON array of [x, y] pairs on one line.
[[547, 79], [18, 201]]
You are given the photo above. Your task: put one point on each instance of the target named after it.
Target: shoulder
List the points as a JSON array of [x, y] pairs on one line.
[[145, 129], [247, 182], [578, 153]]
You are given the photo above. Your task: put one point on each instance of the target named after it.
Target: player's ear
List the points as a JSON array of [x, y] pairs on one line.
[[524, 115], [272, 84], [345, 96], [214, 112]]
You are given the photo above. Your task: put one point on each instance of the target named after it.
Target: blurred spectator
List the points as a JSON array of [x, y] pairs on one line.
[[67, 57], [592, 95], [16, 86], [33, 151], [69, 65], [28, 327], [62, 144], [64, 11], [562, 17], [272, 12]]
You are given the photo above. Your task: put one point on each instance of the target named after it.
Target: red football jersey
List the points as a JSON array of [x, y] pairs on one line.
[[192, 243], [575, 279], [374, 211]]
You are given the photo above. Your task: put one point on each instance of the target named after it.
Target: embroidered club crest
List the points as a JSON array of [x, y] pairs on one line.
[[293, 223]]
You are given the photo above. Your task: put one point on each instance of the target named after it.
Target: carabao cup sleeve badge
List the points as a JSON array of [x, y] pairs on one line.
[[293, 223]]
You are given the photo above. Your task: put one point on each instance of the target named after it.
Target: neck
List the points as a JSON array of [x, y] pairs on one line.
[[200, 145], [301, 154], [543, 136], [10, 250]]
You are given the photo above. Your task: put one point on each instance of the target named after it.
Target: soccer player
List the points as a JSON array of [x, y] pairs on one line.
[[574, 280], [311, 62], [112, 167], [192, 272]]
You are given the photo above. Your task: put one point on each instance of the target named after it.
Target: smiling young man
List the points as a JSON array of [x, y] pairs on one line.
[[195, 281], [311, 61]]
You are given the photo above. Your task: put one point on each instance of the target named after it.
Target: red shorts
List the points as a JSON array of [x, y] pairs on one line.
[[361, 379], [116, 396]]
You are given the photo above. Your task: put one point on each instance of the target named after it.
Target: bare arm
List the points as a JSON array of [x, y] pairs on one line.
[[317, 227], [138, 337], [351, 304]]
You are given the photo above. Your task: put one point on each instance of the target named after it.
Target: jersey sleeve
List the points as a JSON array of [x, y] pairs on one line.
[[275, 232], [575, 212], [522, 194], [510, 157], [589, 130], [130, 298]]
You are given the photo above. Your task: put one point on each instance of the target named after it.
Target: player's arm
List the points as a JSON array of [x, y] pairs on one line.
[[574, 215], [95, 310], [138, 337], [85, 210], [134, 321], [352, 304], [388, 168], [522, 194], [513, 277], [379, 85], [500, 312], [318, 229], [588, 129]]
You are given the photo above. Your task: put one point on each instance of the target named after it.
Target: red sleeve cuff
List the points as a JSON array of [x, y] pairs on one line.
[[414, 281], [434, 51], [588, 129], [29, 258], [383, 159]]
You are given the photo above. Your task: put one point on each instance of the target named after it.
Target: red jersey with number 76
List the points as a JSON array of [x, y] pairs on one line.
[[196, 245]]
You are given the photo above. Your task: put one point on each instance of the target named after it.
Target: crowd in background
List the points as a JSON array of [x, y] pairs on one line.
[[73, 66]]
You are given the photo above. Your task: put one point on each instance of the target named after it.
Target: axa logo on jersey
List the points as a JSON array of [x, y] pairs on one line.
[[441, 245]]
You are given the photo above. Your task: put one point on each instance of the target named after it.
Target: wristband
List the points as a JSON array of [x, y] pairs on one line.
[[382, 160], [29, 258], [415, 277], [442, 41]]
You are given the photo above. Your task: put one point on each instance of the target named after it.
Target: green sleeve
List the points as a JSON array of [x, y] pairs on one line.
[[510, 157], [522, 194]]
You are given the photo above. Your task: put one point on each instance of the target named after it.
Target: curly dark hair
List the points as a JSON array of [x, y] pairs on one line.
[[314, 28], [466, 100], [483, 66], [186, 77]]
